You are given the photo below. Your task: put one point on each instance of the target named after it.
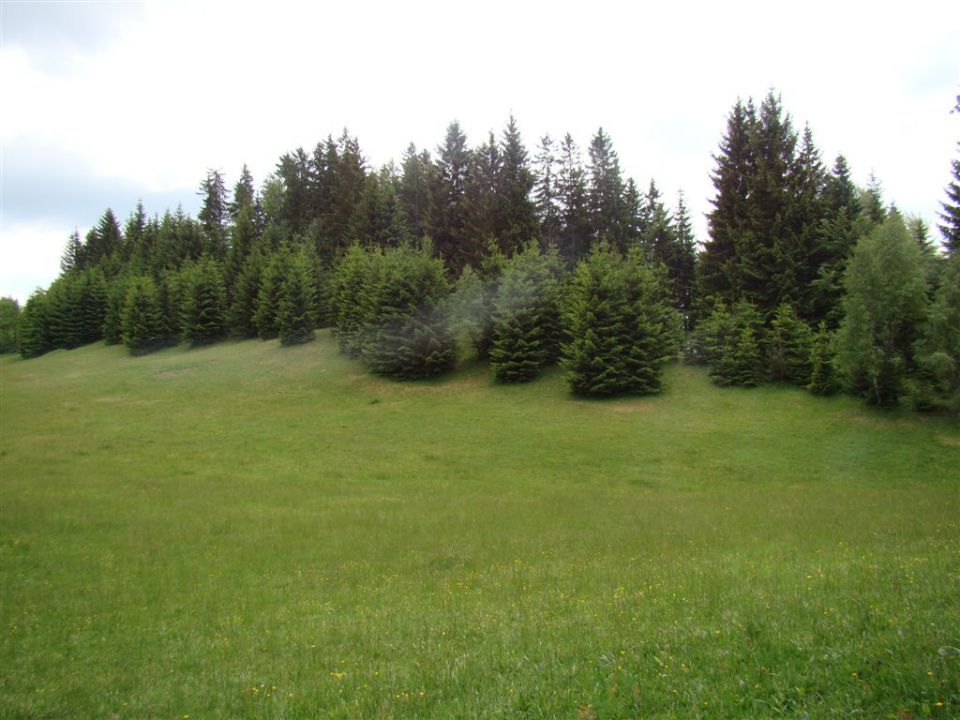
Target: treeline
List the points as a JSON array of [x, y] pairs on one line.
[[805, 278]]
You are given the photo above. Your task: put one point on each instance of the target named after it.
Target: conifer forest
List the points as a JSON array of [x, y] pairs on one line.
[[532, 257]]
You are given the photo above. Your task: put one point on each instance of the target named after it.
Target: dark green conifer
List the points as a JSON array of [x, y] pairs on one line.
[[526, 316], [246, 294], [113, 316], [204, 310], [950, 216], [296, 319], [141, 318], [34, 330], [823, 380], [788, 347], [405, 335], [352, 283], [270, 293]]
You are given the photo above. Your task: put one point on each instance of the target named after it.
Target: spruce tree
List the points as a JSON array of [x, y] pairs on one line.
[[204, 312], [270, 293], [575, 233], [352, 284], [64, 318], [113, 316], [950, 216], [729, 221], [447, 224], [92, 305], [404, 334], [546, 193], [517, 220], [683, 266], [246, 293], [295, 312], [415, 190], [648, 327], [596, 318], [526, 316], [823, 380], [606, 191], [72, 258], [733, 346], [33, 330], [937, 349], [141, 318], [788, 347]]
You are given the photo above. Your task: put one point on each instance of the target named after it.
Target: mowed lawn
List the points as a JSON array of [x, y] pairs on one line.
[[250, 531]]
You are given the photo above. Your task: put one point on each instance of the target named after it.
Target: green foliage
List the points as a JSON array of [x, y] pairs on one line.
[[823, 379], [740, 362], [404, 334], [730, 344], [467, 309], [788, 345], [141, 317], [204, 311], [270, 294], [950, 215], [113, 315], [351, 285], [884, 307], [296, 319], [9, 319], [33, 332], [246, 293], [617, 324], [526, 316], [937, 350]]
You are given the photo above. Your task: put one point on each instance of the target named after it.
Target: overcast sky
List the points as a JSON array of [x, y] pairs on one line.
[[107, 102]]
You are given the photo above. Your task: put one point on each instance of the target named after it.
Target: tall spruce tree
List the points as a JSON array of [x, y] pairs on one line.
[[546, 193], [576, 230], [213, 214], [415, 190], [729, 221], [606, 191], [447, 225], [72, 258], [950, 215], [517, 221]]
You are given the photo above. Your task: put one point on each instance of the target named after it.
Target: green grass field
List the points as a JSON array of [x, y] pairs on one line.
[[249, 531]]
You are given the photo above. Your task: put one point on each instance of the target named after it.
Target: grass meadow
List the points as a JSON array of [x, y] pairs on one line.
[[250, 531]]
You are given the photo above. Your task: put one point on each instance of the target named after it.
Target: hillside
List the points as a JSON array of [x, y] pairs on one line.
[[253, 531]]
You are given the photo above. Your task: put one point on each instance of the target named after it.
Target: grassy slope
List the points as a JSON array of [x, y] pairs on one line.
[[250, 531]]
